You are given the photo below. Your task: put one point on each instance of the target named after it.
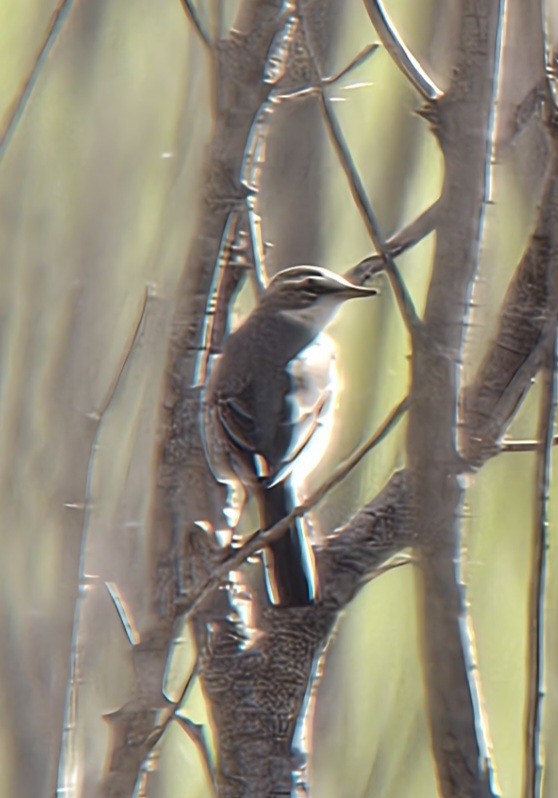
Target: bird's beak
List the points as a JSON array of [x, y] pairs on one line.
[[345, 289], [352, 291]]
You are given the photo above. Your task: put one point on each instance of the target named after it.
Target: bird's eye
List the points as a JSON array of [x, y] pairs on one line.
[[310, 286]]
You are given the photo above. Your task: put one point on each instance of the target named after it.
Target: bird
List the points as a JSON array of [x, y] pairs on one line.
[[253, 426]]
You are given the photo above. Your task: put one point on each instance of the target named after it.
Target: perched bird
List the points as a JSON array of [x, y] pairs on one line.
[[253, 428]]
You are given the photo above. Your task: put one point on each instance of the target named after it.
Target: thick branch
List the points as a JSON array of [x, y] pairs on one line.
[[257, 691], [19, 103], [187, 489], [463, 125]]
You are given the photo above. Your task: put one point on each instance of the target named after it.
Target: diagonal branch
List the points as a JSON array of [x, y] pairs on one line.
[[264, 683], [399, 242], [404, 301], [364, 205], [401, 55], [463, 123], [19, 104], [354, 63], [261, 537], [192, 14]]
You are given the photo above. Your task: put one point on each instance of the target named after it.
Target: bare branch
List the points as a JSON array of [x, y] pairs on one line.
[[463, 125], [57, 19], [258, 539], [524, 446], [403, 297], [396, 244], [401, 55], [187, 491], [358, 192], [192, 14], [514, 357], [354, 553], [278, 685], [359, 59], [362, 549], [150, 686], [534, 761]]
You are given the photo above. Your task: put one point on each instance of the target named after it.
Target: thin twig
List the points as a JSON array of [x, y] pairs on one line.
[[261, 537], [396, 244], [404, 301], [196, 733], [19, 104], [67, 753], [360, 197], [537, 599], [525, 446], [359, 59], [401, 55], [194, 18]]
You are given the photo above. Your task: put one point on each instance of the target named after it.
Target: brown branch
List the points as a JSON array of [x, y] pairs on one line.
[[462, 123], [534, 760], [401, 55], [187, 491], [261, 537], [399, 242], [353, 64], [524, 446], [349, 559], [194, 17], [265, 683], [364, 205], [514, 357], [18, 105], [257, 692]]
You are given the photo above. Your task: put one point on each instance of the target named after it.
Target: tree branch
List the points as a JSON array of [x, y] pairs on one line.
[[514, 357], [463, 124], [401, 55], [399, 242], [192, 14], [187, 491], [19, 104], [261, 537], [257, 692], [534, 760]]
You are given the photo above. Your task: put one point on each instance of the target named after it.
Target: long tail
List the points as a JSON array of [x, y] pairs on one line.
[[290, 568]]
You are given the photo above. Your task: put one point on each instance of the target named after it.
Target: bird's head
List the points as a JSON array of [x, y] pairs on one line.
[[311, 294]]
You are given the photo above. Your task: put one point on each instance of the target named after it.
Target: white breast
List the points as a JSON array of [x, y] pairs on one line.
[[315, 388]]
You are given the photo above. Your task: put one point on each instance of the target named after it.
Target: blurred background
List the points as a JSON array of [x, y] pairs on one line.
[[99, 193]]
